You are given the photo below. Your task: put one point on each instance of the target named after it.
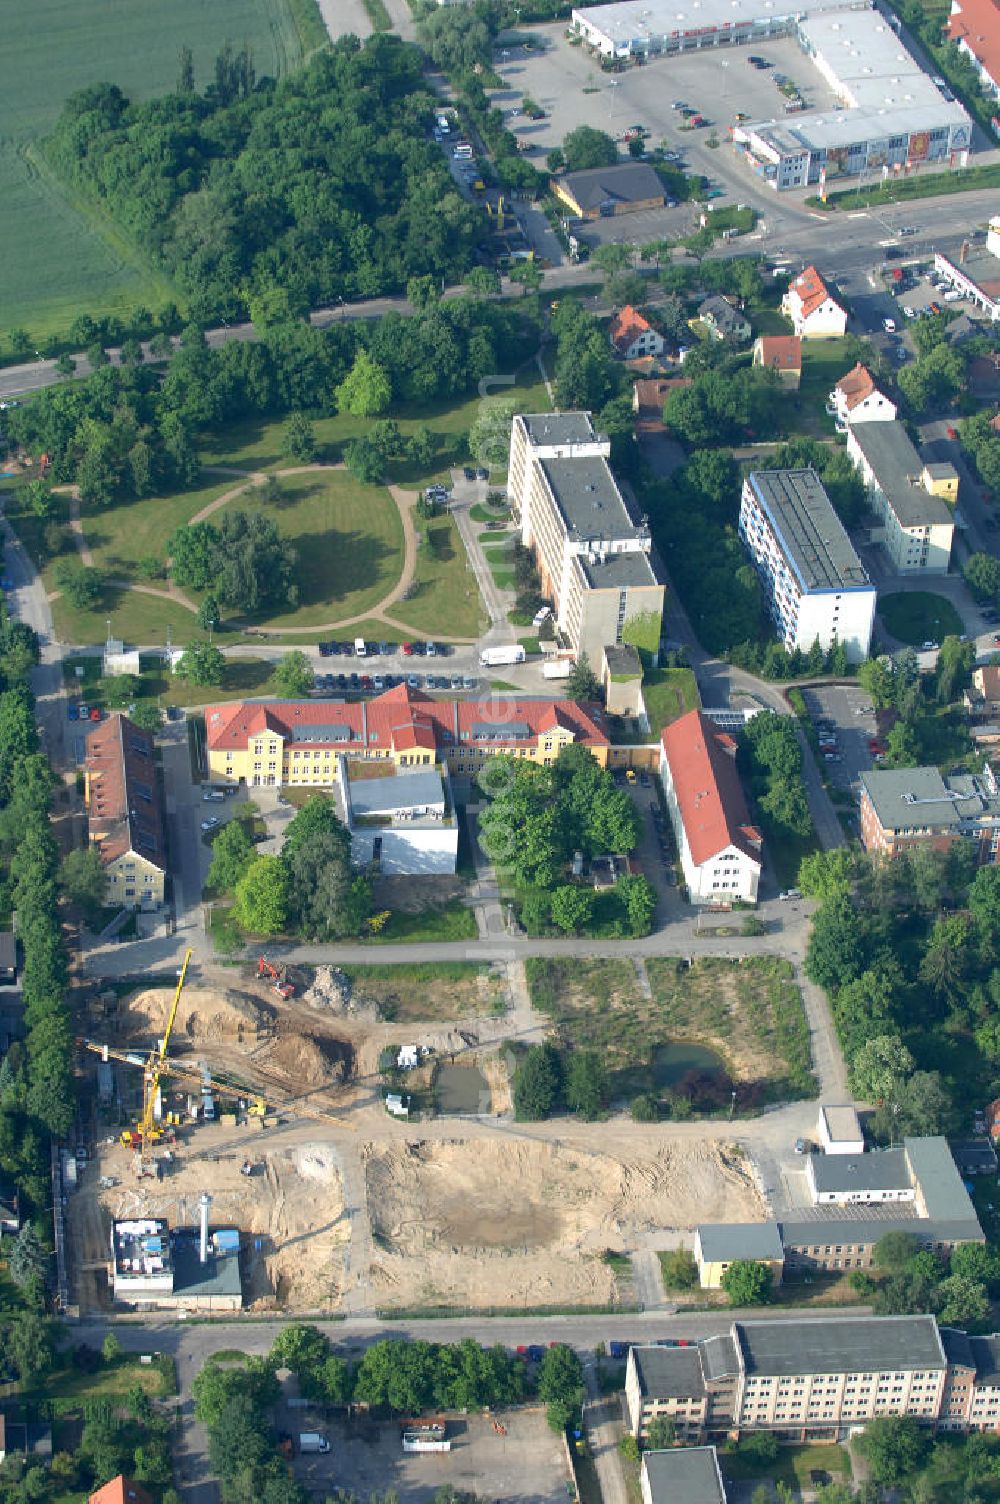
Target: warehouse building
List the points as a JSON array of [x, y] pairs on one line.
[[816, 586]]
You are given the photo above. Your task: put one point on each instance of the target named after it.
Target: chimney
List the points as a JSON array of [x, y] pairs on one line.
[[204, 1203]]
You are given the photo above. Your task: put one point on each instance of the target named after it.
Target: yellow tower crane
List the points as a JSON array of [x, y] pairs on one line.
[[147, 1129]]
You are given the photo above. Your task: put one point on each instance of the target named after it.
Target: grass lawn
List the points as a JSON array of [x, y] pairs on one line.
[[750, 1011], [61, 258], [444, 597], [916, 616], [112, 1380], [770, 321], [785, 850], [668, 693], [792, 1466], [824, 361], [120, 536], [142, 620], [446, 921]]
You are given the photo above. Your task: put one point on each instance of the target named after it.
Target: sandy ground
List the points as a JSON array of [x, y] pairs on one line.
[[293, 1202], [521, 1223]]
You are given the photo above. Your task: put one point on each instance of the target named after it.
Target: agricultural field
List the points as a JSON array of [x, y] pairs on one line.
[[61, 258]]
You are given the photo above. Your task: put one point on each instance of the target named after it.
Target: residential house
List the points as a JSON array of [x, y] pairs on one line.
[[721, 849], [633, 336], [593, 550], [649, 395], [812, 308], [125, 812], [974, 26], [682, 1475], [719, 1244], [856, 399], [602, 192], [982, 698], [816, 587], [913, 500], [121, 1490], [838, 1130], [906, 807], [724, 320], [781, 353]]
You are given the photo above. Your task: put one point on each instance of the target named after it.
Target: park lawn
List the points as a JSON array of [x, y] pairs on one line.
[[141, 620], [60, 257], [349, 540], [669, 693], [916, 616], [785, 850], [792, 1466], [444, 598], [120, 536]]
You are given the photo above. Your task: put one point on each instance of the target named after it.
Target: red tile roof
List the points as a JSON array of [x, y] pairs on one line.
[[125, 811], [121, 1490], [977, 24], [707, 787], [626, 326], [781, 352], [402, 718], [811, 289], [856, 386]]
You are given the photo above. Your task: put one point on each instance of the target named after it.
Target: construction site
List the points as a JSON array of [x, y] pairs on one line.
[[249, 1154]]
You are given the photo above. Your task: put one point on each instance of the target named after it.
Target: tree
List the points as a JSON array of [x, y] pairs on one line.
[[232, 853], [298, 442], [119, 690], [83, 878], [300, 1347], [111, 1349], [29, 1261], [457, 40], [826, 874], [679, 1270], [537, 1083], [202, 663], [194, 555], [835, 955], [294, 676], [209, 614], [366, 389], [638, 896], [261, 897], [879, 1068], [255, 565], [326, 900], [560, 1385], [29, 1344], [489, 436], [964, 1302], [572, 908], [81, 584], [747, 1283], [147, 716], [661, 1433], [895, 1446], [895, 1251], [586, 147], [586, 1088], [982, 575], [583, 684]]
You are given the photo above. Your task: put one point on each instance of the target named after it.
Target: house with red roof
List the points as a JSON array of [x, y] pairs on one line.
[[856, 399], [974, 26], [812, 308], [121, 1490], [297, 743], [781, 353], [633, 336], [125, 815], [721, 849]]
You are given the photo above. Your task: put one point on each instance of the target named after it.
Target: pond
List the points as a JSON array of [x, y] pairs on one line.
[[461, 1089], [668, 1064]]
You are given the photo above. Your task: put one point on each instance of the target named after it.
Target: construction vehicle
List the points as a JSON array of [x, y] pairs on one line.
[[148, 1130], [278, 977]]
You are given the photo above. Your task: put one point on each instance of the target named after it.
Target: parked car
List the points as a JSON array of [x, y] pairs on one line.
[[407, 649], [73, 711], [210, 823], [469, 473]]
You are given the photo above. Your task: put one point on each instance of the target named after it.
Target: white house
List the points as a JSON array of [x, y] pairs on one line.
[[856, 399], [814, 312], [975, 29], [838, 1130], [913, 500], [633, 336], [721, 851], [401, 822]]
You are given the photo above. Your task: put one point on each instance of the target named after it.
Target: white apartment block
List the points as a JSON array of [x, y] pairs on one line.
[[592, 555], [815, 584], [910, 498]]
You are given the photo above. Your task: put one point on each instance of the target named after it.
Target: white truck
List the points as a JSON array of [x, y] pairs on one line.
[[557, 668], [313, 1441], [420, 1441], [494, 657]]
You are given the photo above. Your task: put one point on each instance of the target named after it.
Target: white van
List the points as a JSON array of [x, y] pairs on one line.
[[463, 152], [953, 296], [443, 124], [360, 648]]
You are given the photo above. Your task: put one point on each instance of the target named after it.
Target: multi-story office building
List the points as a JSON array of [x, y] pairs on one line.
[[797, 1380], [906, 807], [912, 500], [593, 556], [816, 586]]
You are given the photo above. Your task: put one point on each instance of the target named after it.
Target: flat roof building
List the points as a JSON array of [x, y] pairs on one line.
[[402, 820], [593, 554], [844, 1179], [839, 1130], [905, 807], [682, 1475], [910, 497], [816, 586]]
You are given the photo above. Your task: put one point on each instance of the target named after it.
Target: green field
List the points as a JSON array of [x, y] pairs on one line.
[[60, 258], [444, 597], [916, 616], [120, 536]]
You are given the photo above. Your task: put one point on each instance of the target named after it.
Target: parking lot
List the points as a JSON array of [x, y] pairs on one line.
[[849, 720], [366, 1458], [571, 88]]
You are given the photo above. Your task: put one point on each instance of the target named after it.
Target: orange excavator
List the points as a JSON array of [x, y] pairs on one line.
[[278, 977]]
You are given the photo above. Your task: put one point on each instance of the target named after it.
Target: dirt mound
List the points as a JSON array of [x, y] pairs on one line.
[[334, 989], [311, 1060], [204, 1014], [498, 1223]]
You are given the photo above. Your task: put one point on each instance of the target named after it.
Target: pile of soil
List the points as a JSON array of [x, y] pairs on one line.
[[311, 1060], [204, 1015], [333, 989]]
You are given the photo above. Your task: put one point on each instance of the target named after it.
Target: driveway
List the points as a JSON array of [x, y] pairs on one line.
[[855, 725]]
